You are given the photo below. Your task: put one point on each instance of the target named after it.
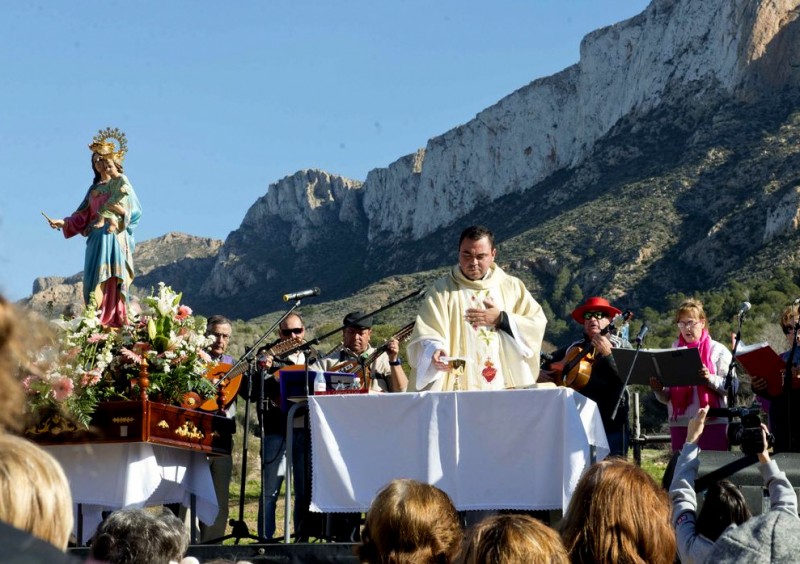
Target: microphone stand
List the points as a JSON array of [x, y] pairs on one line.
[[731, 393], [627, 378], [703, 483], [319, 339], [239, 529]]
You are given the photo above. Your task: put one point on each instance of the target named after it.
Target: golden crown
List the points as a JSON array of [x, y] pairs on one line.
[[102, 143]]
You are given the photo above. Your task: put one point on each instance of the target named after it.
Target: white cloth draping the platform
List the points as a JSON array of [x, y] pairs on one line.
[[516, 449], [109, 476]]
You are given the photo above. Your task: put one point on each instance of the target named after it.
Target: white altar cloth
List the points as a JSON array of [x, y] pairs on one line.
[[109, 476], [516, 449]]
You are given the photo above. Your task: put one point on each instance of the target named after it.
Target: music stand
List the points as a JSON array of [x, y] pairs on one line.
[[239, 529]]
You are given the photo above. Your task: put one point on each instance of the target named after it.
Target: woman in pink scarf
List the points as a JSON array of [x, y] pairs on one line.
[[683, 402]]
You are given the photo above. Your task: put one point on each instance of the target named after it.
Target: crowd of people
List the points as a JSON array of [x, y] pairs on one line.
[[478, 328]]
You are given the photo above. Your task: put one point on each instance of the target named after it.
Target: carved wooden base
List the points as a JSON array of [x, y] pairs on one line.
[[142, 421]]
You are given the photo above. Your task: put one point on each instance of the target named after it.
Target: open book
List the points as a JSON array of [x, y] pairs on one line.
[[761, 360], [673, 367]]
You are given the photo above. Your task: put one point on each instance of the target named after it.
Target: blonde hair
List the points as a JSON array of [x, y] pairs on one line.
[[618, 514], [410, 522], [512, 539], [790, 316], [34, 492], [691, 307]]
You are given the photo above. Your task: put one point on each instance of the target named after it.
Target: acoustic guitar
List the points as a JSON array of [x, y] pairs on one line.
[[355, 365], [575, 369], [228, 381]]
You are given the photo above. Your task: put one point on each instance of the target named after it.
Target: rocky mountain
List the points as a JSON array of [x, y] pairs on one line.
[[665, 160], [183, 261]]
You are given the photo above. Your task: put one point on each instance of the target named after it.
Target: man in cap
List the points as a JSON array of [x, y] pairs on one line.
[[479, 315], [598, 379], [386, 372]]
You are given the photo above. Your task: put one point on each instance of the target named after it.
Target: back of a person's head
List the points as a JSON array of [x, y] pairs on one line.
[[723, 505], [34, 491], [135, 536], [618, 514], [12, 346], [409, 521], [769, 538], [512, 539]]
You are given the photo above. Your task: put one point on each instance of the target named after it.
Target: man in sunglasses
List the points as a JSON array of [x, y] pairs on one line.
[[596, 375], [273, 425]]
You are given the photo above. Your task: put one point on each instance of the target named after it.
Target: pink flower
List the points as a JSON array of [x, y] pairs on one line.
[[97, 337], [131, 356], [26, 382], [62, 388], [204, 356], [183, 312], [90, 378]]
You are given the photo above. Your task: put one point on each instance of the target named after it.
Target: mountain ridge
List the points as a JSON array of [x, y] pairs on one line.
[[663, 161]]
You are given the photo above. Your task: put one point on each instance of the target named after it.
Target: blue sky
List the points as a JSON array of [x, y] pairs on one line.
[[221, 99]]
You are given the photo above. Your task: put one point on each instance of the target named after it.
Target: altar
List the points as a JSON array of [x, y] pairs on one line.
[[515, 449], [137, 454], [110, 476]]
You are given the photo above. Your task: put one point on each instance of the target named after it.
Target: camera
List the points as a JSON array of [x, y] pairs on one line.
[[747, 431]]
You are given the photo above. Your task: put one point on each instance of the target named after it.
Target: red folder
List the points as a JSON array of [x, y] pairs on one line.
[[762, 361]]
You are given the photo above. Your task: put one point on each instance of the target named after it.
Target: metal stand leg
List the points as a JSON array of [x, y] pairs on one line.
[[80, 524], [289, 468], [193, 519]]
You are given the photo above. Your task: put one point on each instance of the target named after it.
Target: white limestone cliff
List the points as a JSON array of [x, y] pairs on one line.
[[692, 50], [554, 122]]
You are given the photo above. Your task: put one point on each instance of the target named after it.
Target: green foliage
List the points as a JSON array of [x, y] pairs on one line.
[[560, 284]]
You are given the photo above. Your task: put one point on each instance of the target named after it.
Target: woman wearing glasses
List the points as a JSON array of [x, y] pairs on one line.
[[784, 411], [683, 402]]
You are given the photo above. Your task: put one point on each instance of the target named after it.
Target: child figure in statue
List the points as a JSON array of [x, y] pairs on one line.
[[107, 217]]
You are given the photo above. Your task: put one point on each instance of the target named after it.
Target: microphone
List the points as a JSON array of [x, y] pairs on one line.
[[642, 332], [744, 308], [310, 293]]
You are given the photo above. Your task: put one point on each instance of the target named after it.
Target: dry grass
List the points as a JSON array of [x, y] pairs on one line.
[[252, 485]]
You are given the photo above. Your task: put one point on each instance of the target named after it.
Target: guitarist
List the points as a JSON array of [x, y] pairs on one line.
[[386, 372], [219, 327], [604, 383], [273, 425]]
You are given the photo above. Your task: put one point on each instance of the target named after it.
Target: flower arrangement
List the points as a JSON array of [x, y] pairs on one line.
[[89, 363]]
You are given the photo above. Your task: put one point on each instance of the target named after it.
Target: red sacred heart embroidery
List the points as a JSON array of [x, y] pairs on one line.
[[489, 372]]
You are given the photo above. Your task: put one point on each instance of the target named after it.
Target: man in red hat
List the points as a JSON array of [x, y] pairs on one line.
[[595, 375]]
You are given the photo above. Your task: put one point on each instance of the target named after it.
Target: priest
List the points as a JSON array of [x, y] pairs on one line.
[[478, 327]]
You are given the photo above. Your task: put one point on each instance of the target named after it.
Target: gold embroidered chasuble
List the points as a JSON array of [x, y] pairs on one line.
[[494, 358]]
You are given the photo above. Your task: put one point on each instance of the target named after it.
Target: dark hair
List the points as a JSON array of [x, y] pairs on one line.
[[97, 177], [134, 536], [476, 232], [723, 505], [217, 320], [669, 471]]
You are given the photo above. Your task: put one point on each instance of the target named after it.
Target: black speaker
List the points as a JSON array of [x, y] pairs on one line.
[[743, 471], [292, 553]]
